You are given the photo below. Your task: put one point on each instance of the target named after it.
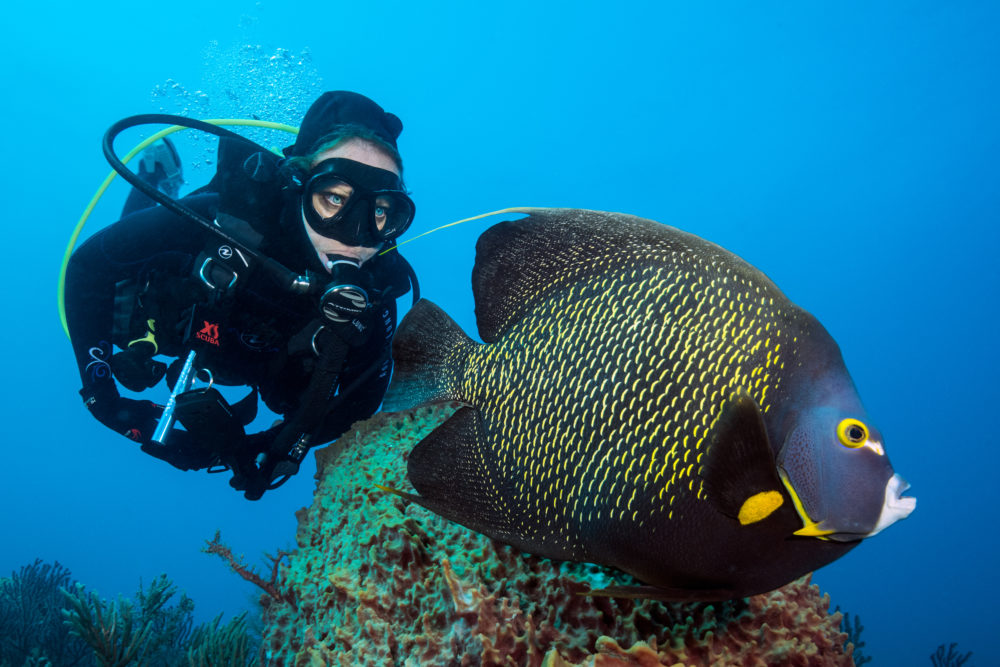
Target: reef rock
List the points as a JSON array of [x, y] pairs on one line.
[[377, 580]]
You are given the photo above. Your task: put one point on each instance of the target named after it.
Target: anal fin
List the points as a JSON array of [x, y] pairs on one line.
[[454, 473]]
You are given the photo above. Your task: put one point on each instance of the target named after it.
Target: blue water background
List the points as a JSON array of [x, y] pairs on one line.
[[848, 149]]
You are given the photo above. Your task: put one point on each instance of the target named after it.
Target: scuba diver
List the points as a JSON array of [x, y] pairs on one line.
[[272, 276]]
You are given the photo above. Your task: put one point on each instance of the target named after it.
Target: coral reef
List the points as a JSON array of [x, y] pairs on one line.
[[213, 644], [31, 628], [49, 620], [109, 630], [145, 631], [951, 658], [853, 632], [237, 565], [378, 580]]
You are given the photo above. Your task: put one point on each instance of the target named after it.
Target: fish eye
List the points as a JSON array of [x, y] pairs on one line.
[[852, 433]]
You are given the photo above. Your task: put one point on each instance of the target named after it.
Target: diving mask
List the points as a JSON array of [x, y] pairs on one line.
[[355, 203]]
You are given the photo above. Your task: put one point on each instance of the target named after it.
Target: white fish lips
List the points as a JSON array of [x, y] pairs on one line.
[[895, 506]]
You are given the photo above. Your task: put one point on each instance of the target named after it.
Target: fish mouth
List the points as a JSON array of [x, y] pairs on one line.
[[895, 507]]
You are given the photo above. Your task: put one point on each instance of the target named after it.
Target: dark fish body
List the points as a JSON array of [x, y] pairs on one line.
[[645, 400]]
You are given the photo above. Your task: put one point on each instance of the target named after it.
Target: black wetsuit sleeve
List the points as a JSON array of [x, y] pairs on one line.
[[365, 378], [125, 251]]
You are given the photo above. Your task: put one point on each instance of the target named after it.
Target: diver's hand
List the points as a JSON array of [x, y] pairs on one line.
[[135, 367], [136, 420], [247, 475], [253, 479], [182, 452]]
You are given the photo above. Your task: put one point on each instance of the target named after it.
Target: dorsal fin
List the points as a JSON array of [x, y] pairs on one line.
[[520, 262], [424, 351]]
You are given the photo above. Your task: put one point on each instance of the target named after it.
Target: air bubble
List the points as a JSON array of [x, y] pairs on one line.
[[242, 80]]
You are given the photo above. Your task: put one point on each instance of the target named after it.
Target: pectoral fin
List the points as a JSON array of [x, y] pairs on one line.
[[740, 474]]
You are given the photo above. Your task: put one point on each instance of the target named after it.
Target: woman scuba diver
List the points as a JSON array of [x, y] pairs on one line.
[[271, 276]]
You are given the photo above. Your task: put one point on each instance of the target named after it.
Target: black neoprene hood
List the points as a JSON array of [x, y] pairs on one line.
[[342, 107]]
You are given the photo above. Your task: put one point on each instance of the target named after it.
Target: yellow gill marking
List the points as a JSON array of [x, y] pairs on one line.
[[759, 506], [809, 528]]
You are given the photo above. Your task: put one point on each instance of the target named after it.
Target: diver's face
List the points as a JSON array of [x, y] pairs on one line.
[[361, 151]]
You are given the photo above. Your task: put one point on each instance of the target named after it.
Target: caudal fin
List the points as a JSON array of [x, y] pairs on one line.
[[427, 353]]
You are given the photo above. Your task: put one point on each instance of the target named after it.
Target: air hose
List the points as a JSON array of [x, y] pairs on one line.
[[177, 123]]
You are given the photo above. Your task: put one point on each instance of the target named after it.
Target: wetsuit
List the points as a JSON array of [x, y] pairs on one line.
[[141, 271]]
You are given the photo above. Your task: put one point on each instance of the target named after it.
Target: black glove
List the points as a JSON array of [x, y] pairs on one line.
[[136, 420], [182, 452], [212, 436], [247, 475], [135, 367]]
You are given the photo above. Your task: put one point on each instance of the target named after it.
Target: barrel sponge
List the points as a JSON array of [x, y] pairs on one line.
[[377, 580]]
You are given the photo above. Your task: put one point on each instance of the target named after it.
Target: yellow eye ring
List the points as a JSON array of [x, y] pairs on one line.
[[852, 433]]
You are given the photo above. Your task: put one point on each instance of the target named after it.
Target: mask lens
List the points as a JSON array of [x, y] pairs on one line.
[[330, 197], [355, 203], [392, 213]]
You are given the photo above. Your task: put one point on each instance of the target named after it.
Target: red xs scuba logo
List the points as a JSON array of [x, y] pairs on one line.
[[209, 333]]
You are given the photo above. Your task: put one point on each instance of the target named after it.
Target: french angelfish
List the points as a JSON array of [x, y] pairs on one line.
[[645, 400]]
